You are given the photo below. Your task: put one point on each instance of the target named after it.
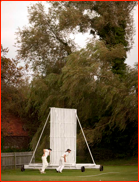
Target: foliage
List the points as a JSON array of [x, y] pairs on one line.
[[105, 104], [46, 42], [10, 73], [111, 21], [42, 43], [114, 101], [15, 150], [11, 78], [94, 80]]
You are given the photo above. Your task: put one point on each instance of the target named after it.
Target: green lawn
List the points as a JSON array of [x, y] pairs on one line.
[[110, 173]]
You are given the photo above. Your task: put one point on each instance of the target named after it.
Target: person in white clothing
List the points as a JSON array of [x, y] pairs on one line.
[[46, 153], [62, 161]]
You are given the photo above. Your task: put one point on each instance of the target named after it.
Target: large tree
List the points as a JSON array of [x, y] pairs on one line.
[[11, 79], [87, 79], [42, 43], [11, 74], [105, 103], [111, 21], [46, 42]]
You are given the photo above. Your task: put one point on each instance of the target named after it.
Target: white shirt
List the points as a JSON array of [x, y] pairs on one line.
[[66, 153], [46, 153]]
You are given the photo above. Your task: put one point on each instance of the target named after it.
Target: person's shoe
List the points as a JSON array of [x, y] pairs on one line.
[[57, 171], [42, 172]]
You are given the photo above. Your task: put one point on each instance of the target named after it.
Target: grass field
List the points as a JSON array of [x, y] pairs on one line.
[[110, 173]]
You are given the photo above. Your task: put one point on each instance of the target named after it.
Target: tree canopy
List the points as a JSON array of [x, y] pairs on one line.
[[95, 79], [104, 102], [11, 78], [111, 21], [46, 42]]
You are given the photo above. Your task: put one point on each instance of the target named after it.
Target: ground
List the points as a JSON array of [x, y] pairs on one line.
[[110, 173]]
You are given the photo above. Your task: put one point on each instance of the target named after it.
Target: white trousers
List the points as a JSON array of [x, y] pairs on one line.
[[44, 163], [61, 164]]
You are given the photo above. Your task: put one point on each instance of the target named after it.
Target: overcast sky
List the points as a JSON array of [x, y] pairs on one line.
[[14, 14]]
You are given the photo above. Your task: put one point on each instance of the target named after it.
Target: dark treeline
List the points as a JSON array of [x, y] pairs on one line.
[[95, 80]]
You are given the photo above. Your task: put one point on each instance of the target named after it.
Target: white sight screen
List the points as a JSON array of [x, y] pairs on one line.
[[63, 134]]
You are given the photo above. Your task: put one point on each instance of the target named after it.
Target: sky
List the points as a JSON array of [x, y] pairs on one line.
[[14, 14]]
